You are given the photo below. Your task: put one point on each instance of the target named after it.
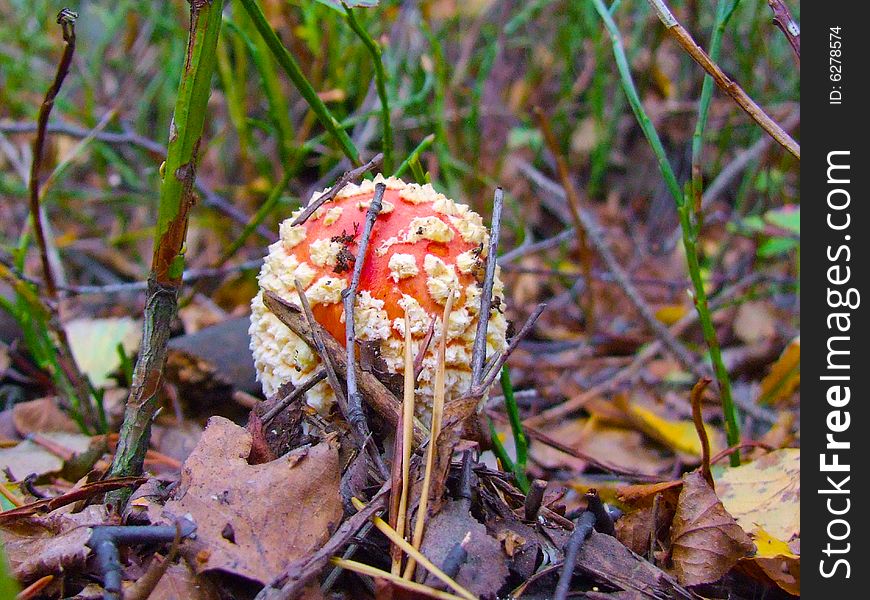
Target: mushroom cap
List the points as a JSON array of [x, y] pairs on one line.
[[422, 246]]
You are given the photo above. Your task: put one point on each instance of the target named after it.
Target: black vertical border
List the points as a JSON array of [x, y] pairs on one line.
[[826, 128]]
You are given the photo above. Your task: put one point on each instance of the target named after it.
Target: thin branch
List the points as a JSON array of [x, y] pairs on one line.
[[67, 20], [478, 355], [375, 392], [320, 347], [539, 246], [648, 353], [319, 375], [582, 530], [730, 87], [167, 264], [139, 286], [588, 222], [355, 415], [349, 176], [80, 390], [492, 370], [210, 198], [782, 18]]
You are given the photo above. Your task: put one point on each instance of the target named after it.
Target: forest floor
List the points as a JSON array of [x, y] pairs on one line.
[[643, 437]]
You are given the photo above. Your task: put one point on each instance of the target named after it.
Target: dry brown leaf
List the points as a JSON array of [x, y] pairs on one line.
[[41, 416], [706, 541], [179, 582], [253, 520], [486, 569], [617, 446], [39, 546], [29, 457]]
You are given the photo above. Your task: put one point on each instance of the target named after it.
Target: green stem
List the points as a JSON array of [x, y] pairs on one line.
[[380, 82], [264, 211], [415, 155], [724, 10], [520, 441], [689, 228], [176, 200], [294, 72], [279, 110]]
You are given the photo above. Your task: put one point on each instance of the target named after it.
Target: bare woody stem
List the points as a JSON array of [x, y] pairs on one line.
[[176, 200], [478, 356], [78, 390], [355, 414], [66, 19], [782, 18], [729, 86]]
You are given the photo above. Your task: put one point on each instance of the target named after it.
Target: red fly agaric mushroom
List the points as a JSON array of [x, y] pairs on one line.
[[422, 246]]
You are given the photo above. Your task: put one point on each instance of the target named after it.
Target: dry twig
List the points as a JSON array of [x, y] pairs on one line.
[[730, 87]]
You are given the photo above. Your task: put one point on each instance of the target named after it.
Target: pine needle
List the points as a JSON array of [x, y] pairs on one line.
[[414, 553], [435, 429], [407, 438], [364, 569]]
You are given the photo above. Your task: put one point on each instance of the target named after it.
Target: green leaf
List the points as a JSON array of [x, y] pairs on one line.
[[787, 217], [776, 247], [349, 3]]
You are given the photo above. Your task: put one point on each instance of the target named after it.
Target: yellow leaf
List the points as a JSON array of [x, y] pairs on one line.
[[678, 435], [671, 313], [784, 376], [765, 494], [769, 546]]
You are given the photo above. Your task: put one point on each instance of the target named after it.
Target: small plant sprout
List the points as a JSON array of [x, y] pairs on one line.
[[423, 246]]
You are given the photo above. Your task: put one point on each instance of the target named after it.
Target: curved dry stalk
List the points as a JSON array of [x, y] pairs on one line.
[[407, 437], [435, 429]]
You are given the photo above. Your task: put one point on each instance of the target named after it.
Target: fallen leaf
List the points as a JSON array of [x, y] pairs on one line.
[[28, 457], [671, 313], [41, 416], [617, 446], [764, 497], [94, 345], [39, 546], [706, 541], [253, 520], [180, 582], [784, 377], [608, 561], [765, 493], [485, 570], [678, 435]]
